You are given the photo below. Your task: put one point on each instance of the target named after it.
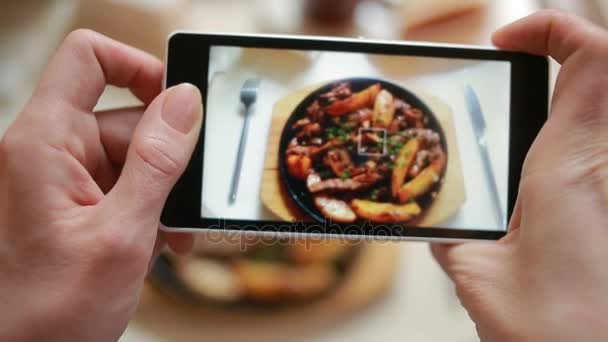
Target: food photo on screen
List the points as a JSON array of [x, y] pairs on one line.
[[317, 136]]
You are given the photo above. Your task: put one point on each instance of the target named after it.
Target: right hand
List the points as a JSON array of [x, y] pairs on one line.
[[547, 280]]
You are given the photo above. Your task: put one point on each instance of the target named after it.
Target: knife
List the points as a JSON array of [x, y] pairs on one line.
[[479, 128]]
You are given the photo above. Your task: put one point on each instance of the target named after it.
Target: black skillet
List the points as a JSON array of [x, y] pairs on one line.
[[297, 189]]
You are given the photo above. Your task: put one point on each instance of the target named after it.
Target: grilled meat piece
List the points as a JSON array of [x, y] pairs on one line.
[[340, 92], [338, 160]]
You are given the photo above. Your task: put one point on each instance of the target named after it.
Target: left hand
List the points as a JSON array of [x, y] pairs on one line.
[[81, 193]]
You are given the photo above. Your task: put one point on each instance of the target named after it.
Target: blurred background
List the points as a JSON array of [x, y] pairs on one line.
[[242, 288]]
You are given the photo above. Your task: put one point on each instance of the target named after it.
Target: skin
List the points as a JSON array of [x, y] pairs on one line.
[[81, 192], [81, 195], [547, 279]]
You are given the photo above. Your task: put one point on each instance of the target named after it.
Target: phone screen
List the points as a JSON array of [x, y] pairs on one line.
[[351, 138]]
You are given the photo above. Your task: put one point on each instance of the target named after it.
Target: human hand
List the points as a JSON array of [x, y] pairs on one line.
[[547, 279], [81, 193]]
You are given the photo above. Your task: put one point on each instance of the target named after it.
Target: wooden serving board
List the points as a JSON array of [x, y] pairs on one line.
[[276, 197]]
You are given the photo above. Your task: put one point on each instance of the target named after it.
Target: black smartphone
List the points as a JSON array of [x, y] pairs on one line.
[[355, 138]]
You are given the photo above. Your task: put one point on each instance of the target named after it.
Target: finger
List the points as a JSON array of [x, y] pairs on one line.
[[180, 243], [440, 253], [116, 129], [548, 33], [515, 221], [159, 245], [463, 261], [86, 61], [159, 152]]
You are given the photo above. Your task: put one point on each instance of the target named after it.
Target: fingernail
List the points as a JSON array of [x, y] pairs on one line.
[[182, 107]]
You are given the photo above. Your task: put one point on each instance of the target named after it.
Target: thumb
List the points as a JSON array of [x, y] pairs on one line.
[[446, 258], [468, 262], [159, 151]]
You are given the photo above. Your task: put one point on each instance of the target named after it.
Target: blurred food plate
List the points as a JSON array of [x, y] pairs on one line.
[[256, 271]]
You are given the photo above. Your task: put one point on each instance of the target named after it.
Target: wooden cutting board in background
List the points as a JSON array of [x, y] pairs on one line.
[[276, 197]]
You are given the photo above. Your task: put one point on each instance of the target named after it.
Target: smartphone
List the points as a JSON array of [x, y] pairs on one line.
[[355, 138]]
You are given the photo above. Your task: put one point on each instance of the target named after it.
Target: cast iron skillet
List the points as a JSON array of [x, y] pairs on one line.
[[297, 188]]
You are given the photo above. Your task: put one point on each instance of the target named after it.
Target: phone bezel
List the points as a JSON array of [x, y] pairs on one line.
[[188, 61]]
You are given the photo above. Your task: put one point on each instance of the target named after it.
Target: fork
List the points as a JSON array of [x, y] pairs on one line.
[[249, 93]]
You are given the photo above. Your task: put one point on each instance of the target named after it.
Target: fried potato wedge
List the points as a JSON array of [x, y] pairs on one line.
[[299, 166], [403, 163], [335, 209], [422, 183], [364, 98], [384, 109], [385, 212]]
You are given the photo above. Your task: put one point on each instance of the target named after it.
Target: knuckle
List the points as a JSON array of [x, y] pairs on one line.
[[114, 245], [567, 28], [156, 156], [78, 46], [562, 18], [111, 243], [79, 37]]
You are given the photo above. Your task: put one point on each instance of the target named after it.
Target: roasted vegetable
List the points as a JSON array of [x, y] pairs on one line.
[[364, 98], [299, 166], [335, 209], [385, 212], [403, 163], [384, 109], [425, 180]]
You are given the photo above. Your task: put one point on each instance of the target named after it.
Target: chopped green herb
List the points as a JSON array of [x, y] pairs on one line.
[[374, 194], [346, 175]]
